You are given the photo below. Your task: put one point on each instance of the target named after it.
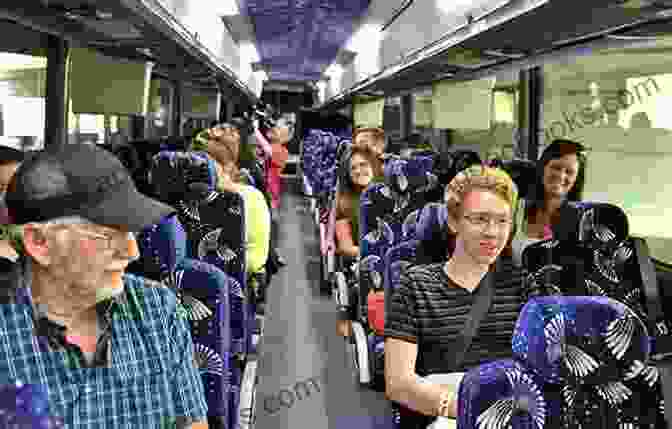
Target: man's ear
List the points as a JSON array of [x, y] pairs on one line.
[[36, 244], [452, 222]]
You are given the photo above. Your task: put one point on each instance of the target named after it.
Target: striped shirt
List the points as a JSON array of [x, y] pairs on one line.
[[145, 378], [430, 310]]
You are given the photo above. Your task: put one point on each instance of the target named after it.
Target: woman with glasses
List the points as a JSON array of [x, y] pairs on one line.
[[428, 309]]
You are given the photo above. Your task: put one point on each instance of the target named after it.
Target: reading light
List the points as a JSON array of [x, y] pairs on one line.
[[227, 8]]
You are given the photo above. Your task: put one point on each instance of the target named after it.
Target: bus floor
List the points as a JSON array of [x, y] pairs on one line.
[[305, 375]]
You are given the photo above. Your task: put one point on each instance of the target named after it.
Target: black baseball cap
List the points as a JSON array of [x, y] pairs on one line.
[[80, 180], [10, 154]]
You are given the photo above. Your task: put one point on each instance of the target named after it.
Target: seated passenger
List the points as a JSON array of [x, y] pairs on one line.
[[78, 324], [561, 176], [10, 159], [360, 170], [373, 138], [428, 309], [257, 217]]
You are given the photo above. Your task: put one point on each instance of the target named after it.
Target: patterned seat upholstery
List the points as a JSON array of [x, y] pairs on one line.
[[214, 223], [203, 291], [523, 173], [502, 394], [587, 351], [432, 233], [388, 216], [26, 406], [215, 226], [572, 357], [592, 255]]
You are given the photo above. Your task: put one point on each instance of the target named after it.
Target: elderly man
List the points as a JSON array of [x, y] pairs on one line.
[[113, 350]]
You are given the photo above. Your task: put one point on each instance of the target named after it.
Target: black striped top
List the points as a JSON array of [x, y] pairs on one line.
[[429, 309]]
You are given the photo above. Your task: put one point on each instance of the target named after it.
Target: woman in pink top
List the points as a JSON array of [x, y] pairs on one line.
[[279, 136], [561, 177]]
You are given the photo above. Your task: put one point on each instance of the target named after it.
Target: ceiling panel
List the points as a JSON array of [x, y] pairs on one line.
[[298, 39], [555, 24]]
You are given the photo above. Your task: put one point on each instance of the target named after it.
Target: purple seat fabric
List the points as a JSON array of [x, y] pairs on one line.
[[214, 222], [433, 219], [203, 292], [575, 340], [502, 394], [388, 216], [591, 254], [26, 406], [397, 259], [594, 349]]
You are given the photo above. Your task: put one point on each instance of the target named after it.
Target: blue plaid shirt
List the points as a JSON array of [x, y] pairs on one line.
[[143, 374]]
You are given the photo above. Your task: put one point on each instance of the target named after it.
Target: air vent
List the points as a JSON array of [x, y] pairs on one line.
[[504, 53], [117, 29]]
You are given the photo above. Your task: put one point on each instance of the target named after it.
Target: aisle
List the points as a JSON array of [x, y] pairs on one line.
[[305, 380]]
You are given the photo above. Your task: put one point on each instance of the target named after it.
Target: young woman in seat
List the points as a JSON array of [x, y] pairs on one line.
[[561, 177], [357, 172], [428, 309]]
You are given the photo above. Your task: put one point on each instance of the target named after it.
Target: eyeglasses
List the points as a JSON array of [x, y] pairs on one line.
[[109, 242], [481, 221]]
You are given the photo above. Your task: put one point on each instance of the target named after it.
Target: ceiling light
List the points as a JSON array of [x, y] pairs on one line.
[[103, 15], [499, 53], [227, 8]]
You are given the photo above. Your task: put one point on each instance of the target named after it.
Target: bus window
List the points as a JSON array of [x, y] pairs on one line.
[[495, 141], [617, 102], [22, 100]]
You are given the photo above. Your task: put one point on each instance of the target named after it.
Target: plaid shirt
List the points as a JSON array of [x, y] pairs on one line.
[[143, 374]]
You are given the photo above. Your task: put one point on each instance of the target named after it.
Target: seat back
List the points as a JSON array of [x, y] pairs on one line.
[[389, 214], [432, 234], [523, 173], [503, 394], [592, 255], [397, 259], [214, 223], [589, 353], [203, 292], [26, 406]]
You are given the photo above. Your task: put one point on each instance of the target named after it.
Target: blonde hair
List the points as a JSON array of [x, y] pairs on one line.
[[478, 177]]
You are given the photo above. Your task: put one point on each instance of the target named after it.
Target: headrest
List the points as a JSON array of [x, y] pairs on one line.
[[501, 394], [523, 173], [180, 176], [397, 259], [580, 340], [447, 164], [583, 221], [409, 175], [432, 221], [163, 247]]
